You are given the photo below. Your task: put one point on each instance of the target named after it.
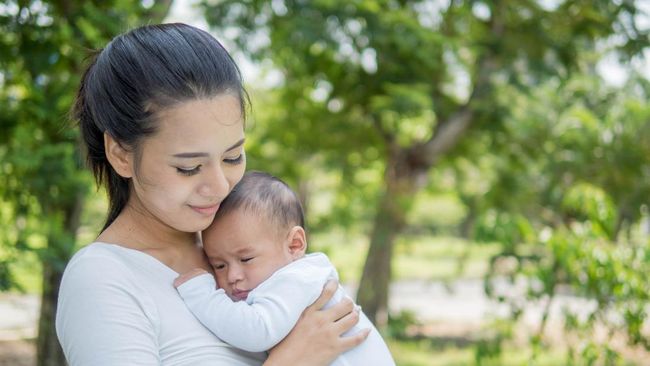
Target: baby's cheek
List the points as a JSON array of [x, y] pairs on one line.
[[221, 283]]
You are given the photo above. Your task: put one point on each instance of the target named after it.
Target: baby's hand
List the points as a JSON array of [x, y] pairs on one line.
[[188, 276]]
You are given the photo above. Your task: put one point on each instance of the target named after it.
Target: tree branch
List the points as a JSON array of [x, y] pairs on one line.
[[448, 133], [387, 136]]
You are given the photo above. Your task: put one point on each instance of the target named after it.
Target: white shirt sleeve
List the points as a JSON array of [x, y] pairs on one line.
[[268, 314], [101, 317]]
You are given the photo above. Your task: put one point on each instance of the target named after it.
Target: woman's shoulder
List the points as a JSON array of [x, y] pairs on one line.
[[95, 254], [111, 265], [96, 249], [96, 263], [101, 274], [102, 262]]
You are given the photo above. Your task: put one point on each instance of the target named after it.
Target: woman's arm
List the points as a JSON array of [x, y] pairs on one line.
[[316, 338]]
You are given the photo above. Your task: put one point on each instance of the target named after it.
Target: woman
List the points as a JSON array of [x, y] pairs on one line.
[[162, 112]]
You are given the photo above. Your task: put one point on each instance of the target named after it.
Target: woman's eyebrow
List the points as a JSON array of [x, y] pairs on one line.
[[191, 155], [236, 145], [204, 154]]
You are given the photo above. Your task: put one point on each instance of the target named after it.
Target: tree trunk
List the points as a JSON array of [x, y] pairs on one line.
[[61, 247], [618, 225], [406, 171], [373, 287], [466, 229], [388, 223], [49, 352]]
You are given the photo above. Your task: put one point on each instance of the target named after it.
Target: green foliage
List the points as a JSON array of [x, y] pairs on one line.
[[44, 47], [586, 202], [504, 227], [357, 77], [372, 89], [615, 276], [406, 111], [399, 324], [42, 180], [291, 143], [554, 166], [579, 184]]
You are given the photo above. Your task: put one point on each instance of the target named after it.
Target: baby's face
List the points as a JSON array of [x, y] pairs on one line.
[[244, 250]]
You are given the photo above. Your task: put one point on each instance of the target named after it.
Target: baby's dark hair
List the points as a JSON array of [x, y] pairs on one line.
[[269, 197]]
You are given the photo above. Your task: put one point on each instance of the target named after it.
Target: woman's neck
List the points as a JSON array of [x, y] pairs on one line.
[[140, 230], [134, 229]]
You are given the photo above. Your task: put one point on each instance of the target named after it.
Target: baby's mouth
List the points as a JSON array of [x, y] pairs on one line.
[[239, 295]]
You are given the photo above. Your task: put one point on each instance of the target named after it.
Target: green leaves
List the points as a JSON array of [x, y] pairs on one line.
[[552, 162], [588, 203], [44, 46], [405, 111]]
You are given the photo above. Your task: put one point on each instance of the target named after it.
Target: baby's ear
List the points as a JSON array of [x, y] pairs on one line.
[[297, 242]]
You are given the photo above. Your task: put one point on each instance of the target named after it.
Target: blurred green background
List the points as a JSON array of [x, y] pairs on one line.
[[504, 143]]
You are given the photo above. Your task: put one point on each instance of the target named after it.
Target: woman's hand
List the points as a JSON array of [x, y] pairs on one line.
[[316, 338]]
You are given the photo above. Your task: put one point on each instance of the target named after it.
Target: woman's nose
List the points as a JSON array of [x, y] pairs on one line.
[[215, 184]]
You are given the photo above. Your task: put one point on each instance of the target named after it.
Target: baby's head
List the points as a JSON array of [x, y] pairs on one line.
[[258, 229]]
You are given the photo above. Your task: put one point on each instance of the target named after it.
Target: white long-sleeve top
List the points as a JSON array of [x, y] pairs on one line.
[[273, 308], [118, 306]]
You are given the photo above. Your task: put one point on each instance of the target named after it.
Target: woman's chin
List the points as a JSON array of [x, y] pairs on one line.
[[195, 225]]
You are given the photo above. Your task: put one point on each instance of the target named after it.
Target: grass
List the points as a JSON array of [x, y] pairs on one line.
[[440, 258], [428, 352], [415, 257]]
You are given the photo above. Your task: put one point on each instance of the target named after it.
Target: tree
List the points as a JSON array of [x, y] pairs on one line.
[[409, 82], [43, 184], [575, 158]]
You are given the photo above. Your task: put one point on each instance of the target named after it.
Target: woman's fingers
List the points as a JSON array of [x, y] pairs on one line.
[[340, 310], [346, 316], [354, 340], [316, 338], [347, 321], [328, 291]]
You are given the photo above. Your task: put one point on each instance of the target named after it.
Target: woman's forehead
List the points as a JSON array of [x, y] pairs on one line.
[[215, 123]]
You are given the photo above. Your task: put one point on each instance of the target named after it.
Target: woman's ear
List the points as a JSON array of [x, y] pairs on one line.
[[120, 159], [297, 242]]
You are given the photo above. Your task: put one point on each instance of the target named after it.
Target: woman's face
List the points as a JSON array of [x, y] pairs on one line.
[[191, 163]]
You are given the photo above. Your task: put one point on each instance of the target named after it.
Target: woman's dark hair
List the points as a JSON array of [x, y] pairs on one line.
[[138, 74]]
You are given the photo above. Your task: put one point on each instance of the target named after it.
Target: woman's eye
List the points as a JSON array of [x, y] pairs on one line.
[[189, 171], [235, 161], [246, 259]]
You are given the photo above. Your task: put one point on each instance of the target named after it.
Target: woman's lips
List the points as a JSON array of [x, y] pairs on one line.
[[206, 210]]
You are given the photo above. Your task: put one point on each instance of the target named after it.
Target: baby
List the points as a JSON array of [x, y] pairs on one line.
[[256, 246]]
